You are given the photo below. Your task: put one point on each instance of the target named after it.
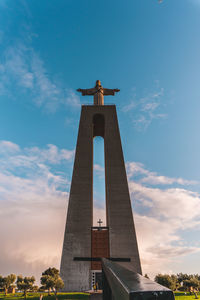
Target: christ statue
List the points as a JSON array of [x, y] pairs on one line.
[[98, 92]]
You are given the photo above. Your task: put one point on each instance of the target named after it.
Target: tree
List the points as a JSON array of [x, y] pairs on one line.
[[59, 284], [175, 280], [1, 282], [192, 282], [166, 280], [6, 282], [188, 280], [25, 283], [51, 280], [182, 277], [34, 288], [51, 272], [47, 283]]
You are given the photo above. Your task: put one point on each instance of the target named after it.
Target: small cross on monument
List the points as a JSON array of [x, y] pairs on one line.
[[100, 222], [98, 92]]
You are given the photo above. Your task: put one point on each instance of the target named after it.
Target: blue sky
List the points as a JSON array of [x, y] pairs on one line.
[[150, 51]]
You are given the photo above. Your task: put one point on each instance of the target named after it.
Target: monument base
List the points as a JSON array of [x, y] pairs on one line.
[[96, 295]]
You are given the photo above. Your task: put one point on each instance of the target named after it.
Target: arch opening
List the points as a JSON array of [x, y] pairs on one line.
[[99, 202]]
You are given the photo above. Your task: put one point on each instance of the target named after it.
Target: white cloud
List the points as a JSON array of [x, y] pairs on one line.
[[169, 251], [98, 169], [159, 245], [150, 106], [52, 154], [23, 70], [7, 146], [33, 205], [135, 169], [33, 199], [168, 202], [161, 213], [72, 99], [146, 108], [129, 107], [99, 213]]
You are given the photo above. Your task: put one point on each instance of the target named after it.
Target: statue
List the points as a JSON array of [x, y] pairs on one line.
[[98, 92]]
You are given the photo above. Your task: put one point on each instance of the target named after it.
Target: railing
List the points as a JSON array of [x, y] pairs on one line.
[[120, 283]]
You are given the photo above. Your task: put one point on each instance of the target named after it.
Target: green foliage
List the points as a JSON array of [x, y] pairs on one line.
[[47, 282], [58, 284], [192, 282], [34, 288], [6, 282], [166, 280], [25, 284], [51, 280], [180, 281], [182, 277], [51, 272], [188, 280]]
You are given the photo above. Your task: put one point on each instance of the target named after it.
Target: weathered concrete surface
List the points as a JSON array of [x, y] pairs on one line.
[[97, 120], [96, 296], [123, 242], [77, 239]]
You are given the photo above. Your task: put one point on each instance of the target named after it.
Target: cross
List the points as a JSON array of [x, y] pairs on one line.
[[100, 222], [98, 92]]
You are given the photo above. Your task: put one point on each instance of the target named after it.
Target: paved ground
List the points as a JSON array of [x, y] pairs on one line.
[[96, 295]]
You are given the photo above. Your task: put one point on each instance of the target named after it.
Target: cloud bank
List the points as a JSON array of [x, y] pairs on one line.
[[33, 202], [33, 198], [161, 213]]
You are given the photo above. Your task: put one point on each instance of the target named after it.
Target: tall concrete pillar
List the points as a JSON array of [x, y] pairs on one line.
[[77, 239], [123, 242], [76, 259]]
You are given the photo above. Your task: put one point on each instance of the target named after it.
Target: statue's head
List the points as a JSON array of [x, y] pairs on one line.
[[98, 83]]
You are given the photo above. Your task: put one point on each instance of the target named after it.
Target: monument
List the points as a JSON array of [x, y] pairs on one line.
[[84, 245]]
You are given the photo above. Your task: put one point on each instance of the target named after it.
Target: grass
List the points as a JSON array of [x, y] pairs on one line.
[[75, 296], [182, 296], [36, 296]]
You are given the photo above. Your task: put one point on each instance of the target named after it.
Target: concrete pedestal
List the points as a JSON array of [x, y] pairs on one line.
[[97, 121]]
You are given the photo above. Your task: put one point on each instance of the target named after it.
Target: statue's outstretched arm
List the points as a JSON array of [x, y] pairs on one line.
[[110, 91], [87, 91]]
